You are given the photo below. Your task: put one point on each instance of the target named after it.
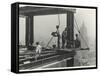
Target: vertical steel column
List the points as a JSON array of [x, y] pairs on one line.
[[70, 32], [70, 35], [27, 32], [31, 30]]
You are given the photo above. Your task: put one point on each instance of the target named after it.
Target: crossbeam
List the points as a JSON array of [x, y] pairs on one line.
[[30, 10]]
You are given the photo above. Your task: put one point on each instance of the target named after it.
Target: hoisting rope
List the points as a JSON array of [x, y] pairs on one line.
[[52, 36], [59, 19], [77, 28]]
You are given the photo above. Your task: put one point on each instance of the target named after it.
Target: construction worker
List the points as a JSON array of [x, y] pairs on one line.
[[38, 50], [77, 41], [64, 37]]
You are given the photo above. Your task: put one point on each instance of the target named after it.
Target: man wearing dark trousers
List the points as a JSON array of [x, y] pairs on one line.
[[77, 42], [64, 37]]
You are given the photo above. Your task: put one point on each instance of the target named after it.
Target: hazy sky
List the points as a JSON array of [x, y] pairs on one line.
[[44, 25]]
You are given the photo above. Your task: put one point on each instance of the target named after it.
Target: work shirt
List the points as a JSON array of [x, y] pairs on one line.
[[38, 49], [64, 35], [77, 43]]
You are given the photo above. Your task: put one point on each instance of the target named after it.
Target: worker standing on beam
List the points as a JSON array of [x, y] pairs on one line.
[[64, 37], [38, 50], [77, 41], [58, 35]]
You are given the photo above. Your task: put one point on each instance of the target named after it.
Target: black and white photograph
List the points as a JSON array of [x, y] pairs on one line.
[[56, 37]]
